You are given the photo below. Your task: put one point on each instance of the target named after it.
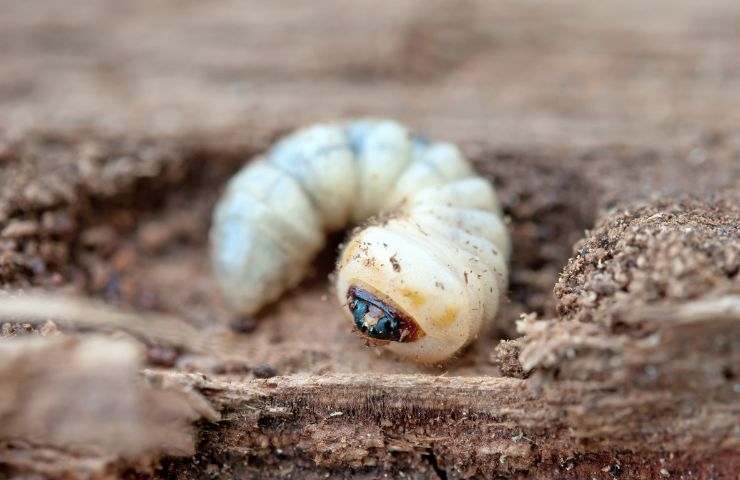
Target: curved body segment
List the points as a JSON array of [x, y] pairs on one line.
[[423, 283]]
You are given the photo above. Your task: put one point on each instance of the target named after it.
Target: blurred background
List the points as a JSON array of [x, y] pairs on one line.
[[507, 72]]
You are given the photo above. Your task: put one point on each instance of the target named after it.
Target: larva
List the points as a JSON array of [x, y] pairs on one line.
[[424, 281]]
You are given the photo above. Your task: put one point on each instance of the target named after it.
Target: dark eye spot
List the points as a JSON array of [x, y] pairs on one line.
[[376, 319], [383, 327]]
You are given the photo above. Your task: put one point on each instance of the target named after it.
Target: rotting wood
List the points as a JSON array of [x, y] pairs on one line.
[[595, 398], [80, 314], [76, 405], [475, 425]]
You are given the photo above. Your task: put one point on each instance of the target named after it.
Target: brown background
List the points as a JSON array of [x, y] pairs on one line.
[[504, 73]]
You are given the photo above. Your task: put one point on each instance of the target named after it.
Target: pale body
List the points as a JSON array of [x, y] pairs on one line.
[[439, 257]]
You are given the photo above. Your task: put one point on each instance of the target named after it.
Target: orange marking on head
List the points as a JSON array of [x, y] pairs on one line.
[[417, 299], [446, 319]]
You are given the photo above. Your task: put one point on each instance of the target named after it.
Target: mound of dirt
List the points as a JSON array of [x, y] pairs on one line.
[[666, 251]]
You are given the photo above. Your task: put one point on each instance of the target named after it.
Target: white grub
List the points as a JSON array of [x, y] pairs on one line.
[[424, 282]]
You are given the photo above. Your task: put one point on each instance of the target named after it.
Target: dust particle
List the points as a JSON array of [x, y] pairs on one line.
[[396, 265]]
